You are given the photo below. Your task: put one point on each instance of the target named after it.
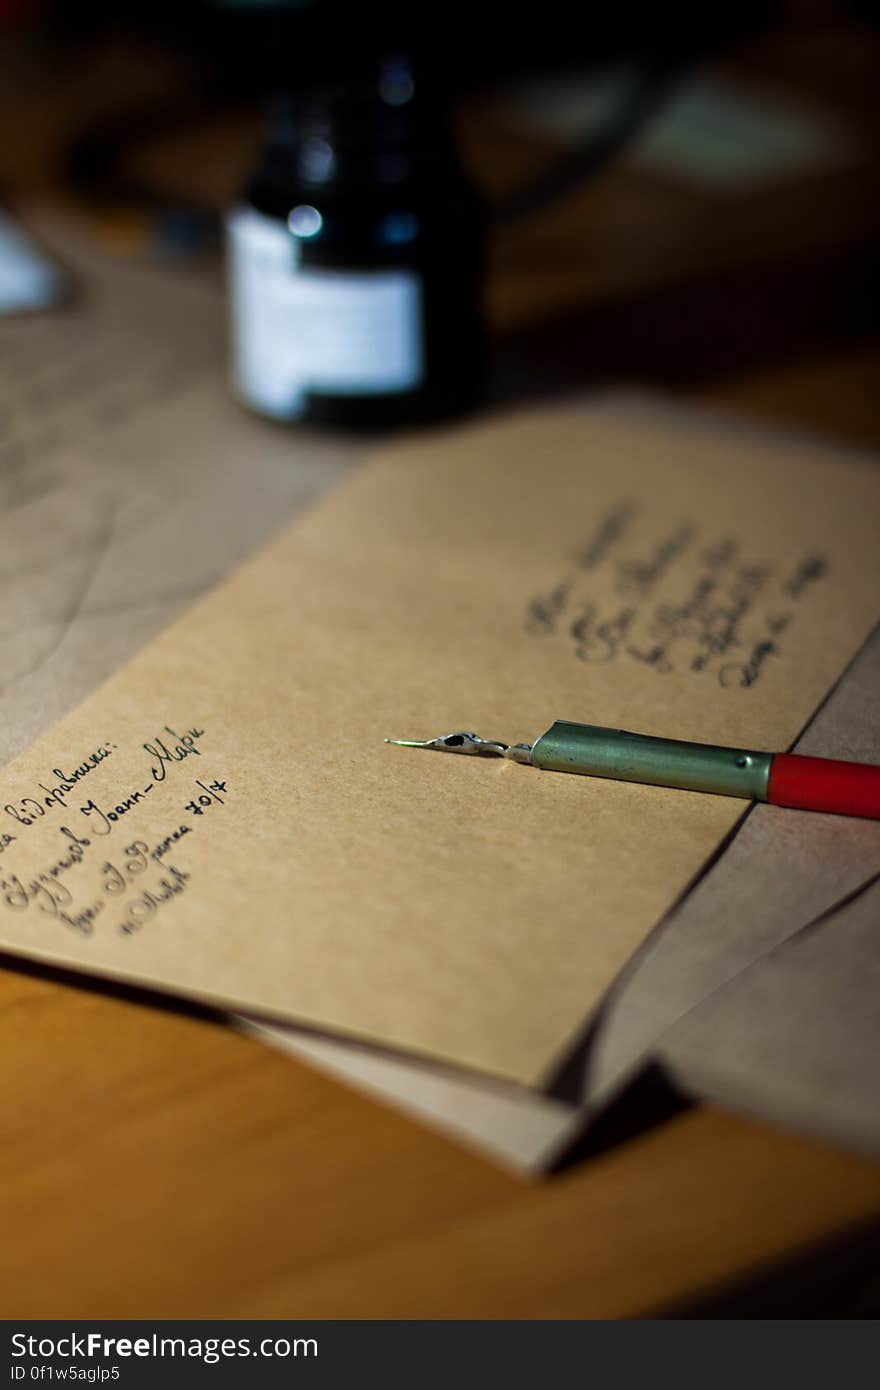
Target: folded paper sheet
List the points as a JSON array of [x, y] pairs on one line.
[[783, 871], [798, 1019], [222, 819], [757, 908]]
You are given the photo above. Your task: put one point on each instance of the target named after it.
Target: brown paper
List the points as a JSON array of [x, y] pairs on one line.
[[551, 566], [125, 360], [518, 1127], [774, 887], [795, 1037], [784, 869], [779, 872]]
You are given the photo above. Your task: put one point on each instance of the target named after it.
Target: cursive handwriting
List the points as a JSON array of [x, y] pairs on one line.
[[31, 808], [142, 908], [182, 746], [158, 852], [746, 673], [680, 601], [606, 536], [46, 889], [105, 820], [639, 577]]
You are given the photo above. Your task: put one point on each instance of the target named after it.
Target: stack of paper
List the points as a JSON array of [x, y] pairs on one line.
[[221, 819]]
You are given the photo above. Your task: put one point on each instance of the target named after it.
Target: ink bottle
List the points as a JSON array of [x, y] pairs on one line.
[[355, 262]]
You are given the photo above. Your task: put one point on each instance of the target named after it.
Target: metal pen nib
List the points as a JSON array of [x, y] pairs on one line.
[[783, 779], [469, 743], [625, 757]]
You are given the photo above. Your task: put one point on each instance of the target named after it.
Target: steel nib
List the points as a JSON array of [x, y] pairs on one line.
[[469, 743]]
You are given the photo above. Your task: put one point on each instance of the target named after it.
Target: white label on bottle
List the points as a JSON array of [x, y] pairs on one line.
[[341, 333]]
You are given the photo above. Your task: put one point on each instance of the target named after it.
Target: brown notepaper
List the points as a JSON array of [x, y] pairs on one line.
[[223, 820]]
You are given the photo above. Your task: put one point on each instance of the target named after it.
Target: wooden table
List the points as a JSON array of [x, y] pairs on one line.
[[156, 1164]]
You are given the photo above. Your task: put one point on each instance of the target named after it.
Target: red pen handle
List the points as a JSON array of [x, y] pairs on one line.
[[823, 784]]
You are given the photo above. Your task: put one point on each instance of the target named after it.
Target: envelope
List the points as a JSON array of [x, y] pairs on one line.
[[467, 910], [793, 1039], [747, 995], [508, 1120], [783, 871]]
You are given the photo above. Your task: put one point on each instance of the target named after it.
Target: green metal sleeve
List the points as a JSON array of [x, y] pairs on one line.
[[662, 762]]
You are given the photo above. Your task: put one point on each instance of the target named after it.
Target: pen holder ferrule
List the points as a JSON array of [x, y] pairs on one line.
[[663, 762]]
